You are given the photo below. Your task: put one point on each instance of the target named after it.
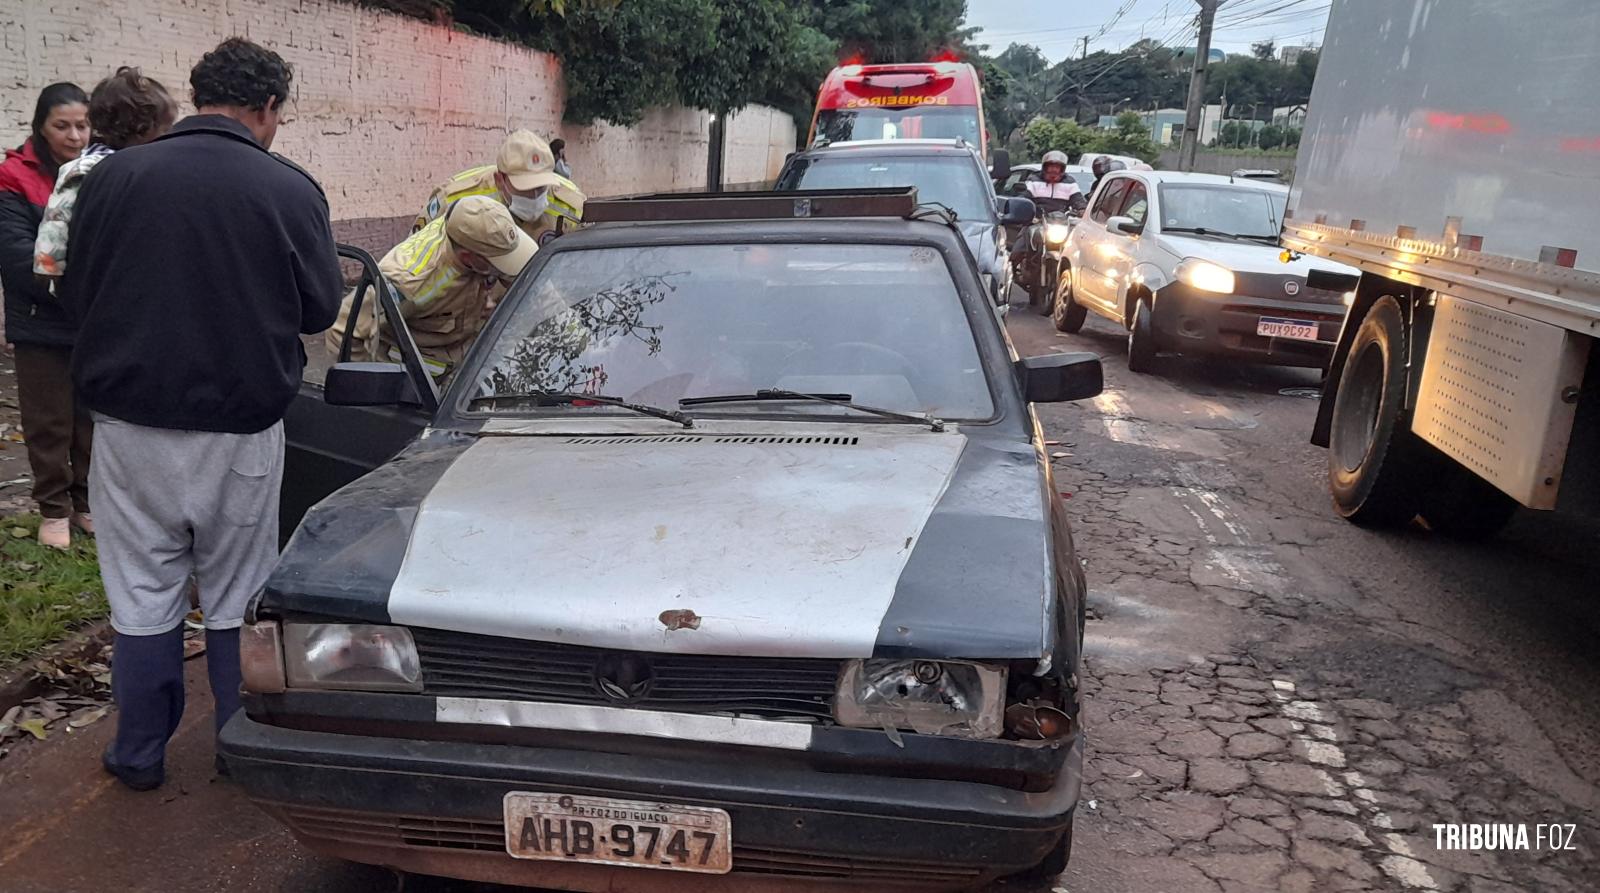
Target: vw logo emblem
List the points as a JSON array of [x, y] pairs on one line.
[[1291, 287], [624, 678]]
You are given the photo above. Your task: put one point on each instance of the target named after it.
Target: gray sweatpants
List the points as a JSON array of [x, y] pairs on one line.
[[170, 503]]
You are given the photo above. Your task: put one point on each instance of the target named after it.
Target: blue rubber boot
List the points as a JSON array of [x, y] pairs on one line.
[[222, 664], [147, 685]]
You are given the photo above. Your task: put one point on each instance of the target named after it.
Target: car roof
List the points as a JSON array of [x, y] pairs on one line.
[[1206, 180], [814, 229], [892, 147], [1037, 165]]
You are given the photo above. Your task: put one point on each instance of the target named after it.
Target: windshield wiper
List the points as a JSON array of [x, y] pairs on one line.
[[568, 398], [830, 399], [1202, 231]]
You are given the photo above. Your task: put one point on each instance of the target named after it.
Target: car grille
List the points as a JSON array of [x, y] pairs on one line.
[[385, 830], [468, 665]]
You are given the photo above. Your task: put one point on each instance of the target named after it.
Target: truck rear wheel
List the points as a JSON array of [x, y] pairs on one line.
[[1373, 460]]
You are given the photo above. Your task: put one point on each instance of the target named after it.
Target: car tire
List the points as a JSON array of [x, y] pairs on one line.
[[1374, 461], [1460, 504], [1053, 864], [1141, 339], [1067, 313]]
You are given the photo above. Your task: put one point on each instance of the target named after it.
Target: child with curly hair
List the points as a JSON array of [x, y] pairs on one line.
[[126, 109]]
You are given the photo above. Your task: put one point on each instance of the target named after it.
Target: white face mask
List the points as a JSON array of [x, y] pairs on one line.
[[528, 209]]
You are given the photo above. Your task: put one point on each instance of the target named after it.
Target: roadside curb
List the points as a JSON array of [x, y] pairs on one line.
[[29, 680]]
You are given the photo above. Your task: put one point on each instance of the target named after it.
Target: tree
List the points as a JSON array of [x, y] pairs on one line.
[[1271, 137], [1064, 134], [1129, 137], [1264, 50]]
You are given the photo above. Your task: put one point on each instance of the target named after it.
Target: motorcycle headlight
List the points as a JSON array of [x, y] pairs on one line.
[[1055, 233], [1206, 276], [355, 657], [932, 697]]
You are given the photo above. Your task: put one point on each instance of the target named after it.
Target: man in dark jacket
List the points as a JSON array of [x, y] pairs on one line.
[[198, 260]]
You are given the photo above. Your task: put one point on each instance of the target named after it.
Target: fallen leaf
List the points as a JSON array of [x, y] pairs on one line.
[[1052, 443], [1059, 455], [194, 647], [103, 678], [34, 727], [19, 532], [25, 566], [11, 714], [49, 710], [88, 716]]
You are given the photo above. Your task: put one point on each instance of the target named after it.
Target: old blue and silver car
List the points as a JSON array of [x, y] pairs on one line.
[[728, 559]]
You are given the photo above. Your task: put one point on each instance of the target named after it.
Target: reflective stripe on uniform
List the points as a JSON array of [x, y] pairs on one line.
[[442, 278], [426, 248]]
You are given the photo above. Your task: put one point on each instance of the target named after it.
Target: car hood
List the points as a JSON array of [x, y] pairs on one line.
[[1248, 257], [913, 544]]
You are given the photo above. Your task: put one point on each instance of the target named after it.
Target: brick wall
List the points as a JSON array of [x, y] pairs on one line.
[[384, 107]]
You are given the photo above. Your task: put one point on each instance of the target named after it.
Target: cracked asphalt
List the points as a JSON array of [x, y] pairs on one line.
[[1276, 700]]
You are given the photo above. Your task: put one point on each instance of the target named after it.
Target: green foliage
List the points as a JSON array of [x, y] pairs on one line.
[[1240, 135], [1129, 137], [1044, 134], [45, 594], [621, 57]]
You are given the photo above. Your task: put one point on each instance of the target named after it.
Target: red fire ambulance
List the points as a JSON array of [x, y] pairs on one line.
[[914, 100]]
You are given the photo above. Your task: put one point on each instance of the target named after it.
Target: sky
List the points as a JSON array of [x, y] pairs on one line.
[[1057, 27]]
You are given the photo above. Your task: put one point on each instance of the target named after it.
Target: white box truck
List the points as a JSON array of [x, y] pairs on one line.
[[1452, 154]]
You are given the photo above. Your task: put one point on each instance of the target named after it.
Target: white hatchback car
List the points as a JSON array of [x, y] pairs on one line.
[[1190, 263]]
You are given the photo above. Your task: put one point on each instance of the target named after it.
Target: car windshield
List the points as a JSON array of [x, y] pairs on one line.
[[950, 180], [913, 122], [1240, 211], [880, 323]]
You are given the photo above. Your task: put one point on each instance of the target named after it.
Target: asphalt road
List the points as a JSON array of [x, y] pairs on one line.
[[1278, 700]]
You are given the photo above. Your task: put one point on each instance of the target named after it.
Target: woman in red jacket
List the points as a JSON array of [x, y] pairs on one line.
[[57, 431]]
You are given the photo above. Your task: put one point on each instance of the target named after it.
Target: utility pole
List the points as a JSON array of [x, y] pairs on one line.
[[1197, 86], [1085, 39]]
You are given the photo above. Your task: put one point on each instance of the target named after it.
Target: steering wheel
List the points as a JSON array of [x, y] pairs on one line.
[[839, 357]]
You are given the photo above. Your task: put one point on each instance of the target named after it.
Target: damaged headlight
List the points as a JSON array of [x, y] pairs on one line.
[[355, 657], [932, 697]]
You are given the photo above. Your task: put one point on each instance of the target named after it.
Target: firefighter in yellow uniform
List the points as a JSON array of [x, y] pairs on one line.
[[448, 276], [524, 179]]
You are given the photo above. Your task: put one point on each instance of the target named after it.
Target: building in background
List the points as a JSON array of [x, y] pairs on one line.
[[1290, 116], [1166, 125], [1291, 55]]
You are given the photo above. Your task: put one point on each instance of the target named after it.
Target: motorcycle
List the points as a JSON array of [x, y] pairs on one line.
[[1044, 261]]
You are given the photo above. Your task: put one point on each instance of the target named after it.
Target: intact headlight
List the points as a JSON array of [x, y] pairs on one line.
[[1206, 276], [943, 697], [1056, 233], [356, 657]]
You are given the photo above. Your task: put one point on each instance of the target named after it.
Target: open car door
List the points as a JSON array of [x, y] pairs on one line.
[[328, 446]]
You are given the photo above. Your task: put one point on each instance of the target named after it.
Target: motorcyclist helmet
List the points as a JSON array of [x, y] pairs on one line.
[[1054, 157], [1101, 166]]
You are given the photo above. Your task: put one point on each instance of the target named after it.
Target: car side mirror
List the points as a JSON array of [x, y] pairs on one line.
[[1059, 377], [1017, 212], [1124, 225], [369, 384], [1002, 165]]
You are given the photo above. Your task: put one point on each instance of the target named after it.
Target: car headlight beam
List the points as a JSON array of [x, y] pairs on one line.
[[959, 699], [350, 656], [1206, 276]]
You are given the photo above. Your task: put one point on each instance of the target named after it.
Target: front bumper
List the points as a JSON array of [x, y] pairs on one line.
[[1190, 321], [435, 807]]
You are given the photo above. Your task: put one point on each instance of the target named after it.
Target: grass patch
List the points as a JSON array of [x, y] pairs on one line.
[[45, 594]]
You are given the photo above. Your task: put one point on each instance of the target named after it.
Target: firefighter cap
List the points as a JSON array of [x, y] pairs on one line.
[[527, 161], [483, 226]]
